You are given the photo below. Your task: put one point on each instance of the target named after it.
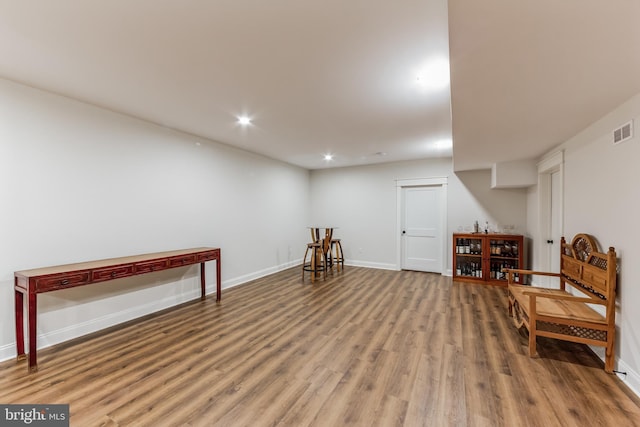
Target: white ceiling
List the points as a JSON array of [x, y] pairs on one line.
[[336, 76]]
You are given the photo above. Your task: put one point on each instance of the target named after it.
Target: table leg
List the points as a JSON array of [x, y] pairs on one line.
[[328, 235], [202, 283], [218, 281], [33, 355], [19, 312]]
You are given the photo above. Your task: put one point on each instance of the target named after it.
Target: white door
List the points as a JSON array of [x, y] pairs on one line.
[[550, 208], [421, 229]]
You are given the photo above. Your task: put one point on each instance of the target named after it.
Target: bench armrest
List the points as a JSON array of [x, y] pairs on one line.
[[512, 271], [535, 293]]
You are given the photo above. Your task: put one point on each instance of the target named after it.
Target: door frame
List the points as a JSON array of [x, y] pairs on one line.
[[549, 165], [423, 182]]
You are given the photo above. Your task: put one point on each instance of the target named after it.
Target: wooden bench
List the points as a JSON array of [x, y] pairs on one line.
[[557, 313]]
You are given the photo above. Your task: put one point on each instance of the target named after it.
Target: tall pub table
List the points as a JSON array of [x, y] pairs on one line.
[[30, 283]]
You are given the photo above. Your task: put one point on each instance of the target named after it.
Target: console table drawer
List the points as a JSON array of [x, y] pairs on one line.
[[206, 256], [182, 260], [61, 281], [111, 273], [148, 267]]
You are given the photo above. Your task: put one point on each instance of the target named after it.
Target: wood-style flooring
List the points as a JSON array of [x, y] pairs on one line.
[[365, 347]]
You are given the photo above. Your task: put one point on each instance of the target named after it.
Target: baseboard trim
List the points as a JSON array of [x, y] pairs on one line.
[[368, 264], [258, 274], [629, 377], [7, 352]]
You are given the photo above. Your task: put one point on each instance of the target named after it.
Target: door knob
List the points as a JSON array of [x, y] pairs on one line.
[[404, 232], [550, 242]]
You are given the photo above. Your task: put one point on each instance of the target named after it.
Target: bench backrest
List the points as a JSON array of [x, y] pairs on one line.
[[588, 270]]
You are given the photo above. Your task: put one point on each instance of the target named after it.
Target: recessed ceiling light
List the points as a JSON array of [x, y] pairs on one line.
[[328, 157], [434, 74], [443, 144], [244, 120]]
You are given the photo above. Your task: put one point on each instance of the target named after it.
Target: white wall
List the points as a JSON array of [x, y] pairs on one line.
[[601, 198], [361, 201], [80, 183]]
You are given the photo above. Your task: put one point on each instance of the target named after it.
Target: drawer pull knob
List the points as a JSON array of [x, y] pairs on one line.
[[64, 282], [113, 274]]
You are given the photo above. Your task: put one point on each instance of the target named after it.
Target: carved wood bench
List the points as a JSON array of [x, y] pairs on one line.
[[557, 313]]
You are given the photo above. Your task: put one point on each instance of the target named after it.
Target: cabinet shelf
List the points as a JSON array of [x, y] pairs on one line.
[[482, 257]]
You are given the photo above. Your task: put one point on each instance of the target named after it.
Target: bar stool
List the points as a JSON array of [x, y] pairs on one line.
[[336, 254], [317, 263]]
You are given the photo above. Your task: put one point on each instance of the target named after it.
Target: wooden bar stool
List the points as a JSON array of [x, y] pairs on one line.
[[318, 262], [336, 254]]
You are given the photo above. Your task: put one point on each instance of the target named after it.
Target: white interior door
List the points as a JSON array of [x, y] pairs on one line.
[[421, 229], [550, 209]]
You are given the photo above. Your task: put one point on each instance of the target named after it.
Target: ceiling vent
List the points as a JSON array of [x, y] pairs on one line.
[[623, 133]]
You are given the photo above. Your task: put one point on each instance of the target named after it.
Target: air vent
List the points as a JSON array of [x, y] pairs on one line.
[[623, 133]]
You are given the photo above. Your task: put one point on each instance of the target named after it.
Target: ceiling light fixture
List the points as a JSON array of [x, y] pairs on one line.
[[244, 120], [443, 144], [434, 74], [328, 157]]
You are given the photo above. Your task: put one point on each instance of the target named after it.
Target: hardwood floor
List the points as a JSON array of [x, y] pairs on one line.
[[365, 347]]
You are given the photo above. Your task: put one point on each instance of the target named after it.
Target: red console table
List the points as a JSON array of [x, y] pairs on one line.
[[40, 280]]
